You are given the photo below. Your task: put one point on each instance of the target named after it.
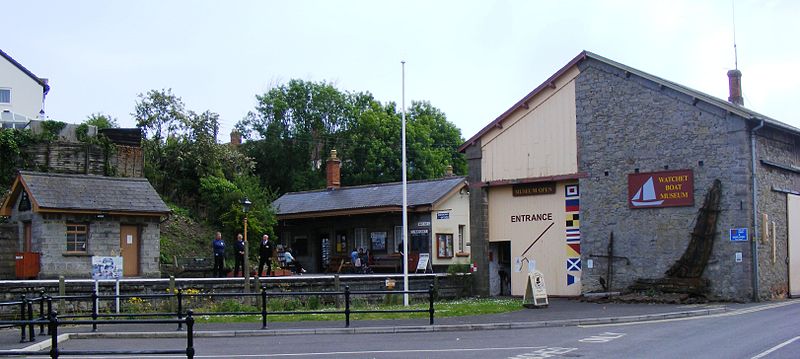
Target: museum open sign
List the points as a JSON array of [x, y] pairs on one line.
[[661, 189]]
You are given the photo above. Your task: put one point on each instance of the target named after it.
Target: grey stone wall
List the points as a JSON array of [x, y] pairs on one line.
[[781, 148], [479, 219], [84, 158], [626, 123], [8, 247]]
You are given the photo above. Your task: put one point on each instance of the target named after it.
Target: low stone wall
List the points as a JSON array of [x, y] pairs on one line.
[[448, 287], [8, 247]]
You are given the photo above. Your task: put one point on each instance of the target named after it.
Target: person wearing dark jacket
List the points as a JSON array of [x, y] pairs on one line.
[[219, 255], [265, 255], [239, 255]]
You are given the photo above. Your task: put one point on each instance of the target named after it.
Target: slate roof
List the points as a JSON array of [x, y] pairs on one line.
[[725, 105], [39, 80], [89, 192], [420, 193]]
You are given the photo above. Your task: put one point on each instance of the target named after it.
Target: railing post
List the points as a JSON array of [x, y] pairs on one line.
[[53, 328], [94, 311], [22, 316], [179, 294], [49, 310], [42, 316], [31, 330], [62, 291], [264, 307], [430, 299], [189, 335], [347, 306]]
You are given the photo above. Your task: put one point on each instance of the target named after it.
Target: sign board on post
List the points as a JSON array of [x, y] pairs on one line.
[[106, 267], [424, 263], [739, 235], [661, 189], [535, 291]]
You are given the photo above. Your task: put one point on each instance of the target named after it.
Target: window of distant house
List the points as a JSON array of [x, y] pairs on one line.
[[461, 238], [444, 245], [77, 235], [5, 95]]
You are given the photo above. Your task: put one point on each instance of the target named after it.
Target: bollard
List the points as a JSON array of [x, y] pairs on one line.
[[264, 307], [116, 298], [189, 335], [94, 311], [22, 316], [347, 306], [53, 328], [42, 316], [180, 307], [430, 298]]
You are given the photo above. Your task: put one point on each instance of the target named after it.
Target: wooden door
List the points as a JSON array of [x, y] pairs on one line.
[[129, 249], [27, 246], [793, 215]]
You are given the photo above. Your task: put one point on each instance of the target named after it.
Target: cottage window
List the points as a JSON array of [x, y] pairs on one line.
[[76, 237], [444, 242], [5, 95], [398, 239]]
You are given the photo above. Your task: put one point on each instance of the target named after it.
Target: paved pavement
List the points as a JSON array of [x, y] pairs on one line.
[[560, 313]]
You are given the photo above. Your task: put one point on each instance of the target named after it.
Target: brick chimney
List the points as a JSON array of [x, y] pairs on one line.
[[735, 87], [332, 172], [236, 138]]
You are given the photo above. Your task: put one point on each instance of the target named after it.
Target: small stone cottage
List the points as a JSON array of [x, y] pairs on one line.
[[69, 218]]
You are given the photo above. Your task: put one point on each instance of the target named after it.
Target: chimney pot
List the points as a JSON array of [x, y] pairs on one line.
[[236, 138], [449, 171], [333, 171], [735, 87]]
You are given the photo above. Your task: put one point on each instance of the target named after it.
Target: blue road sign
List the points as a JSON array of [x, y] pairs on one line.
[[739, 235]]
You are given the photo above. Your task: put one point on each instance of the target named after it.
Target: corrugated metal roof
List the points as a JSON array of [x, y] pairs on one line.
[[420, 193], [88, 192]]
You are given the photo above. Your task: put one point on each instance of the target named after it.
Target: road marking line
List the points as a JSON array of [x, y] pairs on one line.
[[770, 350], [325, 353], [727, 314]]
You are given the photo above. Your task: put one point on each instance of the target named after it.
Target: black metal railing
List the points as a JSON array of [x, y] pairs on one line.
[[53, 323]]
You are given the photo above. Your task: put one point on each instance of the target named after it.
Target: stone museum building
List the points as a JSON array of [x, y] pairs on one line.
[[606, 178]]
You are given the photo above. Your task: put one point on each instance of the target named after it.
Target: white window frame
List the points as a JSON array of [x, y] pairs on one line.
[[461, 238], [397, 238], [9, 95]]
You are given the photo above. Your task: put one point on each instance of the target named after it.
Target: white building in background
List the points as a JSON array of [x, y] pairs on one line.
[[22, 93]]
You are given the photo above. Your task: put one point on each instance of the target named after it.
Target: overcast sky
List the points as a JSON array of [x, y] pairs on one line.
[[471, 59]]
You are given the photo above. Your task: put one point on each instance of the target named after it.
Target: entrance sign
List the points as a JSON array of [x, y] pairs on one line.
[[739, 235], [661, 189], [535, 291]]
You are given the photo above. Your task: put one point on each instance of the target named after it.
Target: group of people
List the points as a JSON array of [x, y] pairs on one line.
[[265, 254], [360, 260]]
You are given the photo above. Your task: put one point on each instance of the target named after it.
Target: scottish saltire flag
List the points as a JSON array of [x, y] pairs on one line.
[[573, 264]]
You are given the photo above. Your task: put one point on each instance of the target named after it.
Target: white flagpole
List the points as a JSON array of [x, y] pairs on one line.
[[405, 195]]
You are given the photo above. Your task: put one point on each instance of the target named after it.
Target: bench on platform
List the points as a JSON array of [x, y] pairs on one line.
[[392, 263], [187, 267]]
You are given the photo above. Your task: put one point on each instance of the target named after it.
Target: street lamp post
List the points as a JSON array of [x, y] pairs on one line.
[[246, 207]]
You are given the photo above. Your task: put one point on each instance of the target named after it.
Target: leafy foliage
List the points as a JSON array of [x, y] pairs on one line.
[[12, 157], [297, 124]]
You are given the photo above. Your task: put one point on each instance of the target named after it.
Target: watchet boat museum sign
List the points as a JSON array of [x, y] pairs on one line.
[[661, 189]]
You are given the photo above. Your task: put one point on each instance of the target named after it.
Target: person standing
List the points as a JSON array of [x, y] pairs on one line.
[[219, 255], [265, 255], [239, 255]]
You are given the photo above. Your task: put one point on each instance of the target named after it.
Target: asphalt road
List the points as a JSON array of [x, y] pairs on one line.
[[771, 333]]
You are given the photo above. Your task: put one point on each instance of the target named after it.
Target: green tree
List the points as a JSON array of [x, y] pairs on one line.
[[101, 121]]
